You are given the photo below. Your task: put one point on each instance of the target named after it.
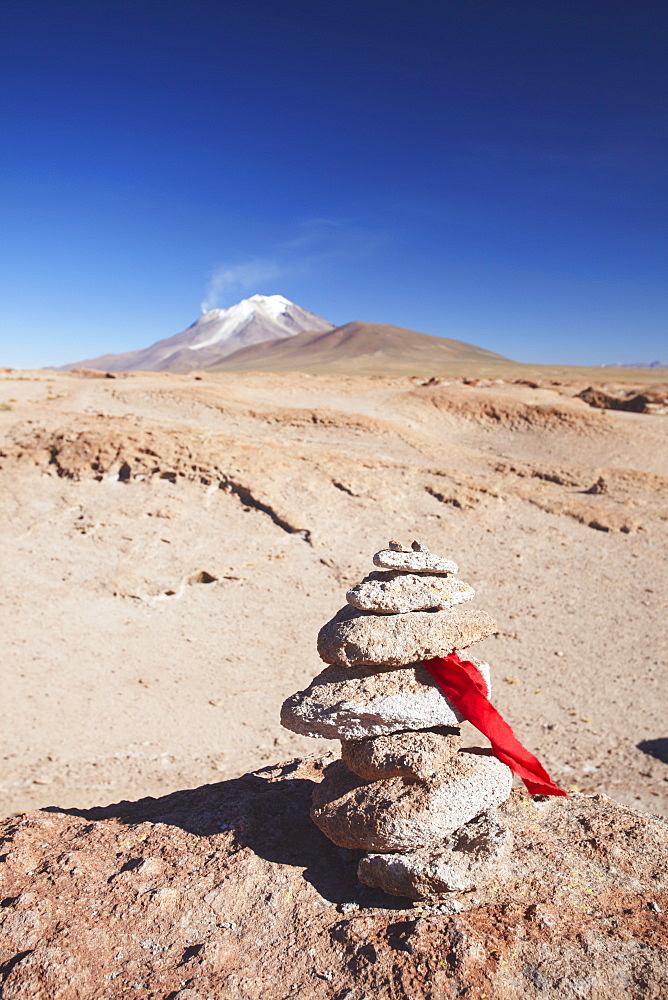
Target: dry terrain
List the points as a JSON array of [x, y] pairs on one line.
[[171, 545], [228, 892], [361, 348]]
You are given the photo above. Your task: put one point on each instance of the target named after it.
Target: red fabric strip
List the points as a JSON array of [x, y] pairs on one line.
[[462, 684]]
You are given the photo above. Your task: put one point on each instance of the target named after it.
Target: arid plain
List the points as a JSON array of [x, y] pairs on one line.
[[171, 545]]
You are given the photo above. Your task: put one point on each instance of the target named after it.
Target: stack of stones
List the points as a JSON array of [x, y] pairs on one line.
[[404, 791]]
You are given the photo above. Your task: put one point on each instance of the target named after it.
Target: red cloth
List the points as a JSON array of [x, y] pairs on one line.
[[462, 684]]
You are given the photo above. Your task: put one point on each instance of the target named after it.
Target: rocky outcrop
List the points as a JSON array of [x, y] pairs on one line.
[[230, 891], [652, 399]]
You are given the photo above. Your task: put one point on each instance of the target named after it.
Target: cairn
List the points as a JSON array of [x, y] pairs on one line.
[[404, 791]]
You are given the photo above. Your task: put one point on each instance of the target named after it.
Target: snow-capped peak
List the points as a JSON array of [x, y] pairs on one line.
[[220, 332], [273, 305], [228, 322]]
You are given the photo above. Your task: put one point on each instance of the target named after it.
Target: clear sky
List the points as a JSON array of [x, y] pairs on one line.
[[489, 170]]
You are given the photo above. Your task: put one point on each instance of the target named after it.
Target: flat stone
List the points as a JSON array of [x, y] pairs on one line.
[[468, 859], [416, 559], [393, 592], [344, 703], [355, 638], [399, 814], [421, 755]]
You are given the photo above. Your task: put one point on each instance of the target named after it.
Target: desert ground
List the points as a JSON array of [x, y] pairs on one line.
[[171, 545]]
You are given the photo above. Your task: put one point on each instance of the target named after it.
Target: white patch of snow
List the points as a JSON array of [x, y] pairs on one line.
[[228, 322], [271, 305]]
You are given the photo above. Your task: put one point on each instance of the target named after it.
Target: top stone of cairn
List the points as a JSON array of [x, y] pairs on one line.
[[416, 559]]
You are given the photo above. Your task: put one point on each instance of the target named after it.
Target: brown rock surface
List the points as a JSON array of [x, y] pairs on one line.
[[418, 755], [398, 814], [229, 891], [653, 399], [355, 638]]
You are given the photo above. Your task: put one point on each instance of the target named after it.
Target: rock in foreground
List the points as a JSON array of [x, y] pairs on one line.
[[229, 890]]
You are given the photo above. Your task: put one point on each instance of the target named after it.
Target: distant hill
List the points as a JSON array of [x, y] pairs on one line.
[[214, 335], [363, 349], [637, 364]]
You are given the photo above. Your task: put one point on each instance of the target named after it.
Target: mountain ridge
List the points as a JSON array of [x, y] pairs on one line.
[[271, 333], [214, 335], [360, 347]]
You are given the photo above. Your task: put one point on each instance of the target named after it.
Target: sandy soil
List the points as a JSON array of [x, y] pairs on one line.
[[172, 544]]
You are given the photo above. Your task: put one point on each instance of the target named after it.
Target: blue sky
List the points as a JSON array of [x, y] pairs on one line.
[[493, 172]]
